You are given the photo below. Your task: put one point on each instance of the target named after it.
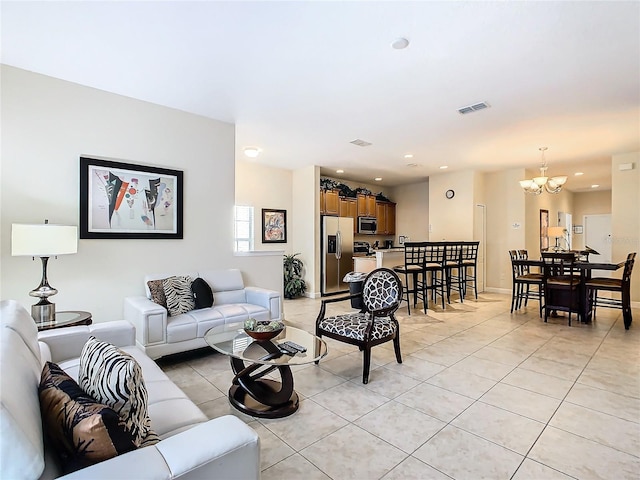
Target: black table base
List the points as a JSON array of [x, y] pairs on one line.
[[263, 397]]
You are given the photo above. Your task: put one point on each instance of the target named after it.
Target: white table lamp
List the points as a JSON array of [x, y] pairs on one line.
[[43, 241], [557, 232]]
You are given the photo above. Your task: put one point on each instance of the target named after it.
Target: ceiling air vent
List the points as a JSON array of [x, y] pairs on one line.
[[360, 143], [473, 108]]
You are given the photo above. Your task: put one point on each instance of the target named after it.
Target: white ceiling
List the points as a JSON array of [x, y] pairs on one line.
[[302, 79]]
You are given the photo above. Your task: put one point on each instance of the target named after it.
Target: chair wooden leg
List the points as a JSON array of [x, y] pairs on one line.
[[396, 348], [367, 364], [513, 296]]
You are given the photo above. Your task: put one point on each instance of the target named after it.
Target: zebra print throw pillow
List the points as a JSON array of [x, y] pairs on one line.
[[113, 377], [83, 431], [179, 296]]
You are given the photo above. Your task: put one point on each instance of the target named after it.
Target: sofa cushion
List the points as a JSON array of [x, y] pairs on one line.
[[22, 452], [180, 299], [114, 378], [202, 293], [84, 431], [156, 288]]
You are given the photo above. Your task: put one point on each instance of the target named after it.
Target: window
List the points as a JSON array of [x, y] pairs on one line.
[[243, 229]]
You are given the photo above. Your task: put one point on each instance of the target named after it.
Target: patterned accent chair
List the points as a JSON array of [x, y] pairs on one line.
[[381, 295]]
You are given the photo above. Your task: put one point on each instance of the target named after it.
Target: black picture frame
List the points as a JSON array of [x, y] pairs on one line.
[[121, 200], [274, 226]]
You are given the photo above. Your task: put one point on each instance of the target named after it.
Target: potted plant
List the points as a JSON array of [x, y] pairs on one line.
[[294, 285]]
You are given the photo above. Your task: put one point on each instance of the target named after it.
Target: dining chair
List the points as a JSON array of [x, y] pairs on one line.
[[522, 281], [453, 262], [469, 265], [561, 284], [435, 275], [381, 295], [414, 271], [619, 285]]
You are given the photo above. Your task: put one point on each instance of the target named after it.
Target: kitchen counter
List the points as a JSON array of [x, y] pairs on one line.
[[384, 257]]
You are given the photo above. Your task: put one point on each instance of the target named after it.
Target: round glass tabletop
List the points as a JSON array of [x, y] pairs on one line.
[[231, 339], [66, 318]]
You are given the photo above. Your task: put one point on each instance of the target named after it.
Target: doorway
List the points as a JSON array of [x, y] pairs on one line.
[[597, 235], [479, 234]]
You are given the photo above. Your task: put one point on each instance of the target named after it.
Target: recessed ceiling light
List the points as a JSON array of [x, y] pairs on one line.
[[400, 43], [408, 155], [595, 185], [251, 152], [378, 179], [577, 174], [444, 167], [340, 171]]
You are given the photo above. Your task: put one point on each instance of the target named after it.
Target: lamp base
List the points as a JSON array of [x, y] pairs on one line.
[[43, 311]]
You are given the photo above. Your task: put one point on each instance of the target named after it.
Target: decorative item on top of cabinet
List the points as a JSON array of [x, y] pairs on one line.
[[329, 202], [366, 205], [386, 216]]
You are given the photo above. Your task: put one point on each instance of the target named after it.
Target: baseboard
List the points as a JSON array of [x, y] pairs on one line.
[[506, 291]]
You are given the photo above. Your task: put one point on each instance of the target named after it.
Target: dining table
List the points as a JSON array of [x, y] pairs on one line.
[[586, 268]]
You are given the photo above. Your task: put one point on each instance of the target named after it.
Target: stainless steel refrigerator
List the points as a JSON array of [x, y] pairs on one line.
[[337, 253]]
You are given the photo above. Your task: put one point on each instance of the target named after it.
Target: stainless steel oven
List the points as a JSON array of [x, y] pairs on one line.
[[367, 225]]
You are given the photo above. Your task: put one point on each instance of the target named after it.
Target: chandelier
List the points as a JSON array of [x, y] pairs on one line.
[[536, 185]]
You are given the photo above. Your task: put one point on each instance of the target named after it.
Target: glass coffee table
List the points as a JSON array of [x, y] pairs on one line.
[[250, 392]]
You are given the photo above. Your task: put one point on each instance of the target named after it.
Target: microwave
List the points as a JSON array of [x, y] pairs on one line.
[[367, 225]]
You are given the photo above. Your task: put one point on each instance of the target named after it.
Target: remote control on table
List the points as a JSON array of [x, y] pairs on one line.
[[284, 348], [295, 346]]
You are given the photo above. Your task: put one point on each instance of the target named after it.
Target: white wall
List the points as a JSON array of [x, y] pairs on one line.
[[306, 227], [47, 124], [412, 211], [260, 186], [452, 219], [588, 203]]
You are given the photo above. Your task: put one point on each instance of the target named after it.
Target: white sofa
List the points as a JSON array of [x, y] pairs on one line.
[[191, 446], [159, 334]]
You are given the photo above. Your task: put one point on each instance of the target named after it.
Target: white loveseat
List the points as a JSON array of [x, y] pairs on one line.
[[191, 446], [159, 334]]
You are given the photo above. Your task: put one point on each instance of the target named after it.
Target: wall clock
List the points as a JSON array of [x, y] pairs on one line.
[[450, 194]]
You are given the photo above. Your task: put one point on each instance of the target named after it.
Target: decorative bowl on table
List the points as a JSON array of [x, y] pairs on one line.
[[263, 330]]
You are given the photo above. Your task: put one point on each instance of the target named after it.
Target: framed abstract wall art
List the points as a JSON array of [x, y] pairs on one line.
[[123, 200], [274, 226], [544, 230]]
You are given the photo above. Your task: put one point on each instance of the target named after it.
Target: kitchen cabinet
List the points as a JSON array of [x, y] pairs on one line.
[[386, 216], [366, 206], [349, 208], [329, 202]]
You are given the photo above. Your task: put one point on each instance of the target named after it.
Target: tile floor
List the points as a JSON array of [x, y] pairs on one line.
[[481, 394]]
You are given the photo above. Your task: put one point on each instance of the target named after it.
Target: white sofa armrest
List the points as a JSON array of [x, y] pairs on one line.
[[224, 447], [66, 343], [149, 318], [269, 299]]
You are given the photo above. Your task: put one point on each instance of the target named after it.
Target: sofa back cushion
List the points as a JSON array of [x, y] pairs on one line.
[[227, 285], [22, 452]]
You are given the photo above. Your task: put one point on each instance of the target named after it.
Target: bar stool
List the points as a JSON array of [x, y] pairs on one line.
[[435, 276], [523, 279], [414, 267], [561, 284], [621, 285], [469, 261], [453, 261]]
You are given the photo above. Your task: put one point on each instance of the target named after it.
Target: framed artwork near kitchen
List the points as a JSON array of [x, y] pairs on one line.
[[123, 200], [274, 226], [544, 230]]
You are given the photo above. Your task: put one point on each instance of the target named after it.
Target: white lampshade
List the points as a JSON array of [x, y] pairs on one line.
[[557, 232], [43, 240]]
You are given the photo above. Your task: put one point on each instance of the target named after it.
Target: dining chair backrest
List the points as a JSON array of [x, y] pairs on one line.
[[435, 253], [453, 252], [382, 291], [560, 264], [515, 269], [470, 251], [414, 253], [628, 267]]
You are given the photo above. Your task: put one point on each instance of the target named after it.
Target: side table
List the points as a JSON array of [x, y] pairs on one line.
[[69, 318]]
